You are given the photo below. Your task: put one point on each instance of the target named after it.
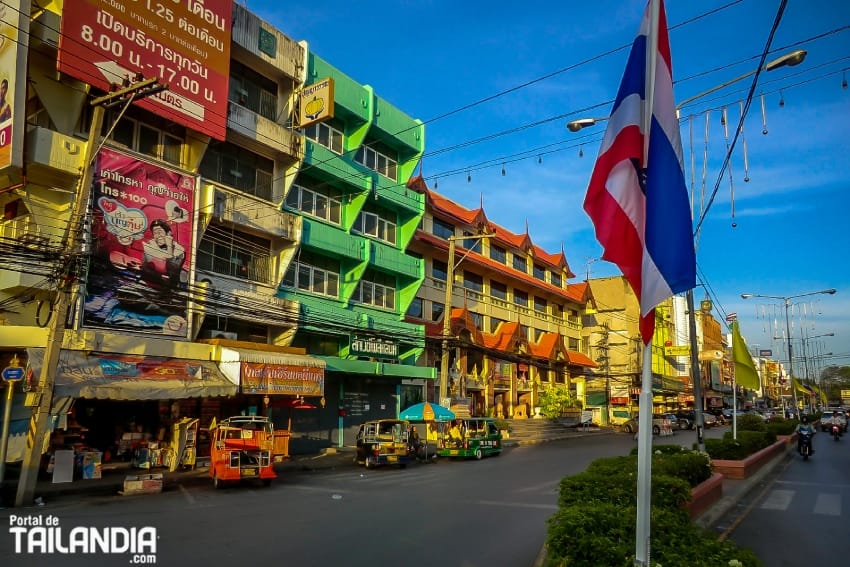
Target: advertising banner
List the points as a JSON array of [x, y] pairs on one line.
[[141, 246], [282, 379], [186, 43], [12, 17]]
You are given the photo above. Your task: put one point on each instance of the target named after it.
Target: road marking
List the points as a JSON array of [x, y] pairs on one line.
[[778, 500], [518, 504], [544, 486], [186, 495], [828, 505]]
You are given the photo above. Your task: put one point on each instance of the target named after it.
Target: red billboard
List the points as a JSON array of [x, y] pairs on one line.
[[186, 43], [141, 246]]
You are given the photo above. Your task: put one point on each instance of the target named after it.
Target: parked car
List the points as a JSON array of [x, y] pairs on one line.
[[709, 420], [631, 424], [676, 422], [689, 417]]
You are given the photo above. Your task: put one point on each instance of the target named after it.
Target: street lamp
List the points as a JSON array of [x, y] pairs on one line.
[[447, 313], [787, 60], [787, 299]]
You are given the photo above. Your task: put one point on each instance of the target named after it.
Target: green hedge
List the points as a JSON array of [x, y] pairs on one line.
[[782, 426], [747, 443], [595, 522]]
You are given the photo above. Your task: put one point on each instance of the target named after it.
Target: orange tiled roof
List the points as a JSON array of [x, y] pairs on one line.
[[574, 292], [580, 359], [449, 208]]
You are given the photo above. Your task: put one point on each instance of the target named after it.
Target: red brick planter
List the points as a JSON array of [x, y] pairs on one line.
[[743, 469], [789, 439], [704, 495]]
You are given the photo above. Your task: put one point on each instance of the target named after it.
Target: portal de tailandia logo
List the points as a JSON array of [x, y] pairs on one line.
[[43, 535]]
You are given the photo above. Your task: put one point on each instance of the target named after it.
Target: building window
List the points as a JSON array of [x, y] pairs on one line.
[[539, 304], [494, 323], [314, 204], [439, 270], [371, 224], [557, 310], [375, 289], [416, 309], [236, 254], [238, 168], [437, 310], [377, 161], [498, 254], [253, 91], [326, 136], [499, 290], [520, 298], [473, 282], [537, 334], [573, 317], [473, 244], [443, 229], [574, 344], [145, 139], [314, 275], [477, 320], [521, 263], [539, 272], [556, 279], [525, 332]]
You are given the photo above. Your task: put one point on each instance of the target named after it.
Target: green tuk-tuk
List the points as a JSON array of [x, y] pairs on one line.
[[469, 437]]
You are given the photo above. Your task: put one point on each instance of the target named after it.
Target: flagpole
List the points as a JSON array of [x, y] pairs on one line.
[[644, 472]]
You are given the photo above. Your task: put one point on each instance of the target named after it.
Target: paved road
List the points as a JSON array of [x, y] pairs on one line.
[[802, 514]]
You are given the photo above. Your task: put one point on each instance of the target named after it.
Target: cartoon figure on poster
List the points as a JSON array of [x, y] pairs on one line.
[[142, 233]]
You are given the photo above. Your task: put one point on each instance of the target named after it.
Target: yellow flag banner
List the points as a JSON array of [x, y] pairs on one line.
[[745, 369], [803, 388]]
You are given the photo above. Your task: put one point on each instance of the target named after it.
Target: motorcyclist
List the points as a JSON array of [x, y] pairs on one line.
[[804, 427]]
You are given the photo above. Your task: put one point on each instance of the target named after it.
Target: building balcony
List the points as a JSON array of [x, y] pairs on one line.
[[53, 159], [257, 215], [389, 259], [265, 48], [258, 130], [332, 240]]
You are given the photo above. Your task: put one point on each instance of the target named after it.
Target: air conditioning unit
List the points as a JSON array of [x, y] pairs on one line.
[[216, 334]]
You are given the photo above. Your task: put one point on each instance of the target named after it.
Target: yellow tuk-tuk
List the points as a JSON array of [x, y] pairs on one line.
[[242, 449]]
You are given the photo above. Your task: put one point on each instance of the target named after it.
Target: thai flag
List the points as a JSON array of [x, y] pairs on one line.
[[640, 209]]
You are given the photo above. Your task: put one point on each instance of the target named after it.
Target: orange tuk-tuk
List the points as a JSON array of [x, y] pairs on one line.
[[242, 449]]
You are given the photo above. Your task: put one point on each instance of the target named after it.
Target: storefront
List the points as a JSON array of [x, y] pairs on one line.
[[116, 404]]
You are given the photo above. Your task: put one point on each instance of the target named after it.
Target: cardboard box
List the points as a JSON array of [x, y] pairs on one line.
[[143, 484]]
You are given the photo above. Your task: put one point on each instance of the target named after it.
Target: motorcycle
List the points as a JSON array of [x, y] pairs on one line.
[[805, 445], [836, 431]]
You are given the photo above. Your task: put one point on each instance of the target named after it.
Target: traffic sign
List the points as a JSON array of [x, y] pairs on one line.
[[13, 373]]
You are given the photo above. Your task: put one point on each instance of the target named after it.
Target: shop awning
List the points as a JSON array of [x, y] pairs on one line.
[[270, 372], [132, 377]]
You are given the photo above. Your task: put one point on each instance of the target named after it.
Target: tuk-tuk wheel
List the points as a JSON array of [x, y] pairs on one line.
[[369, 464], [478, 454], [217, 483]]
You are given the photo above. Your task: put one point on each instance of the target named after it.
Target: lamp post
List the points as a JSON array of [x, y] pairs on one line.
[[447, 313], [787, 300]]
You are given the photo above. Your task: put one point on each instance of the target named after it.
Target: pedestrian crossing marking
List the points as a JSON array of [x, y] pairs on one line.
[[778, 500], [828, 505]]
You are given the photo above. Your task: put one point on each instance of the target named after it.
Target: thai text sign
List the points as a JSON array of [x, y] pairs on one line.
[[186, 43], [142, 246], [257, 378], [372, 347], [677, 350], [316, 102]]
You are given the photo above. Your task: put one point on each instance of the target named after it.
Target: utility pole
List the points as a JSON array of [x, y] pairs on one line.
[[72, 240]]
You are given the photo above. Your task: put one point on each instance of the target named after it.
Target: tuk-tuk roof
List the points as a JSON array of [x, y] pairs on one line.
[[239, 420]]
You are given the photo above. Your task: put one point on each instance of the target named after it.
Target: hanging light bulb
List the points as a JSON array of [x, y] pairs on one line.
[[781, 100], [468, 177], [763, 116], [843, 81], [436, 184], [580, 152], [540, 158], [503, 170]]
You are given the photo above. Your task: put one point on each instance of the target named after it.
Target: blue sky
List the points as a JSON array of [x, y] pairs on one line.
[[537, 66]]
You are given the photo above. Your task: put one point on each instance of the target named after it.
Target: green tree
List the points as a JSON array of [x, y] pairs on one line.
[[553, 401]]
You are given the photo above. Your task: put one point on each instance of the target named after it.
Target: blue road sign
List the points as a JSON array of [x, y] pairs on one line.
[[12, 373]]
